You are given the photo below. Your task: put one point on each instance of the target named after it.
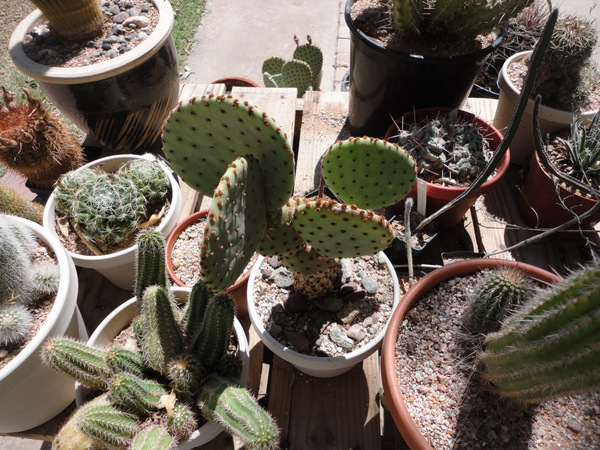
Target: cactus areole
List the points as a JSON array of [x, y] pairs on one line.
[[237, 155]]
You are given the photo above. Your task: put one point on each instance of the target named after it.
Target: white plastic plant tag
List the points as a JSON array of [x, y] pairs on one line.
[[421, 196]]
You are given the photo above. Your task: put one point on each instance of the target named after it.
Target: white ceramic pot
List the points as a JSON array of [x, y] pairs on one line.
[[30, 392], [122, 102], [119, 267], [317, 366], [121, 317], [551, 120]]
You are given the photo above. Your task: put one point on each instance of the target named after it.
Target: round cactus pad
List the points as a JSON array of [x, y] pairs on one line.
[[203, 136], [369, 173], [337, 230], [235, 225]]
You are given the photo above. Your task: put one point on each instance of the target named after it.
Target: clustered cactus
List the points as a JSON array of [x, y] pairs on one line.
[[23, 283], [237, 155], [35, 141], [108, 207], [181, 369], [426, 20], [447, 145], [303, 71], [568, 75], [548, 346]]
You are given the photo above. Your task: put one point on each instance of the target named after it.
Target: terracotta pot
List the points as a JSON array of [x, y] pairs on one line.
[[121, 317], [30, 392], [119, 267], [316, 366], [405, 424], [123, 102], [438, 196], [230, 82], [550, 119], [386, 83], [540, 205], [237, 290]]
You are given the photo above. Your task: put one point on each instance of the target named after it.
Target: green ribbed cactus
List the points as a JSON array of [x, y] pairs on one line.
[[252, 208], [23, 282], [16, 205], [109, 207], [150, 262], [302, 72], [151, 392], [497, 296], [75, 20], [549, 347], [232, 407]]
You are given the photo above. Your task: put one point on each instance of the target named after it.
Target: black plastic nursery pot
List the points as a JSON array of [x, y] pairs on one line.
[[386, 83]]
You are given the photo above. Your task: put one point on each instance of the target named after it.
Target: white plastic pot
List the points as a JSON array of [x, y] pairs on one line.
[[30, 392], [551, 120], [119, 267], [317, 366], [121, 317]]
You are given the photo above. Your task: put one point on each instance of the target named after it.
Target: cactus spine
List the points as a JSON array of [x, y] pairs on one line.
[[232, 406], [550, 346], [35, 142]]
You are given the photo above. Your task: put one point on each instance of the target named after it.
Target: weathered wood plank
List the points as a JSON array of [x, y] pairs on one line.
[[323, 124]]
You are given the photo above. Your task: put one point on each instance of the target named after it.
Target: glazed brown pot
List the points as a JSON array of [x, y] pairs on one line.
[[230, 82], [393, 395], [437, 195], [237, 290], [540, 205], [123, 102]]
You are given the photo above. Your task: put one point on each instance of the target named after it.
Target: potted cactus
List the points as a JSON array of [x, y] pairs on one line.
[[408, 55], [105, 203], [178, 372], [246, 165], [451, 148], [510, 337], [44, 281], [35, 141], [566, 79], [143, 82], [303, 71]]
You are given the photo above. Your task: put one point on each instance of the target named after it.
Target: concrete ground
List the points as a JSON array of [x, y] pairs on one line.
[[235, 36]]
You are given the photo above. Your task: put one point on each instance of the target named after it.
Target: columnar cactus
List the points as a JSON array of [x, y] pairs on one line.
[[152, 394], [23, 283], [252, 207], [35, 141], [108, 207], [302, 72], [74, 20], [549, 347], [16, 205]]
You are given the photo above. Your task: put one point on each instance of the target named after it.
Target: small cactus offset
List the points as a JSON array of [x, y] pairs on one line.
[[302, 72], [108, 207], [35, 142], [151, 391], [309, 235], [549, 347], [151, 269], [498, 296], [232, 407]]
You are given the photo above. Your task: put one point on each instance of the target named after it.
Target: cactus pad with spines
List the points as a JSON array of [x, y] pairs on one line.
[[235, 224], [368, 172], [313, 56], [296, 73], [338, 230], [280, 236], [273, 65], [214, 131]]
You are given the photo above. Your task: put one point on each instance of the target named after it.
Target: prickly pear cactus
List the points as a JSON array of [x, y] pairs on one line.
[[368, 172], [313, 56], [214, 131]]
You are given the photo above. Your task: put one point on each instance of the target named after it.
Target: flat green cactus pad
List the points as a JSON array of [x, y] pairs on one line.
[[235, 225], [272, 81], [273, 65], [281, 237], [368, 172], [337, 230], [313, 56], [297, 74], [203, 136]]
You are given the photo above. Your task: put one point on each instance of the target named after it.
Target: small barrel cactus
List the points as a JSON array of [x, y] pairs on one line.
[[549, 347], [153, 393], [36, 142]]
